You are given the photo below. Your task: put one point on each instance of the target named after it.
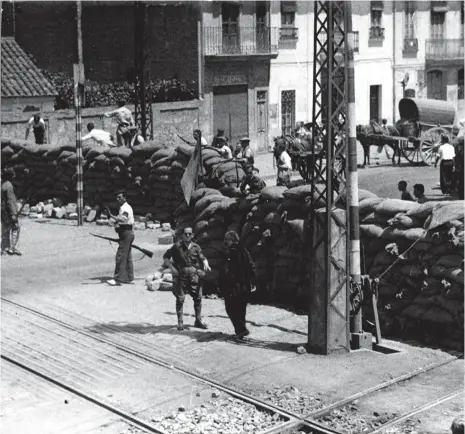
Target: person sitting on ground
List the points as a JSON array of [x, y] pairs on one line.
[[125, 123], [196, 134], [102, 137], [223, 148], [251, 180], [402, 186], [419, 193], [38, 127]]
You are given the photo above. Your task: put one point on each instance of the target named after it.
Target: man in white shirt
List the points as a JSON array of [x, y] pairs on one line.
[[203, 140], [38, 127], [124, 269], [284, 163], [223, 147], [100, 136], [125, 120], [446, 155]]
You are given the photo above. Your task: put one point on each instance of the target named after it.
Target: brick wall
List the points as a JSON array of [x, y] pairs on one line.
[[47, 30], [169, 120]]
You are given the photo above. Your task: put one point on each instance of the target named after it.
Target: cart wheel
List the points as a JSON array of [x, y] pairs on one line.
[[412, 153], [430, 141]]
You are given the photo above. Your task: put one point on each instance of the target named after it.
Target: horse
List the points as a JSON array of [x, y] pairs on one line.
[[365, 135]]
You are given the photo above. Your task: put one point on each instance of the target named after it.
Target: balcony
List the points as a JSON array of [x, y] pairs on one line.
[[288, 34], [410, 47], [376, 36], [240, 42], [448, 51]]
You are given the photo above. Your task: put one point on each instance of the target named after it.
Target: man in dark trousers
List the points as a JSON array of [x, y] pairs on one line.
[[10, 225], [459, 172], [124, 269], [445, 158], [188, 265], [38, 127], [237, 280]]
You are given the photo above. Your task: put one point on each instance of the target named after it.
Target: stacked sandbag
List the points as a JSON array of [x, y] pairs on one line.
[[416, 251]]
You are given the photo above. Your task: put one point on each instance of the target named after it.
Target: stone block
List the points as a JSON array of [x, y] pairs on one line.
[[91, 216], [73, 216], [71, 208], [102, 222], [165, 227], [138, 226], [57, 202], [165, 240], [59, 213]]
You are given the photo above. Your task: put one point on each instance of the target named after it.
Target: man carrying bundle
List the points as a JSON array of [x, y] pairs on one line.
[[188, 265]]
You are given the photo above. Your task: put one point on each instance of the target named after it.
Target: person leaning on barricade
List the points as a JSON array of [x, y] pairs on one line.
[[188, 265]]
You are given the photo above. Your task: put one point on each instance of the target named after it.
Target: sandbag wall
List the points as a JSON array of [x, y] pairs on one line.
[[151, 173], [421, 283]]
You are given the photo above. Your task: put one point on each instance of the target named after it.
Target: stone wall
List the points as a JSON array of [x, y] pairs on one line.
[[169, 119]]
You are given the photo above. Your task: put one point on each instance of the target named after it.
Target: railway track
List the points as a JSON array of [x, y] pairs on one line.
[[290, 422]]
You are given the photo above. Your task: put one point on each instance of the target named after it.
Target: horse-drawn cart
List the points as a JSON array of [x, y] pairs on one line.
[[417, 134]]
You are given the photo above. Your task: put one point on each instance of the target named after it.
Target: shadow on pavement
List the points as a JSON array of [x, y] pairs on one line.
[[283, 329]]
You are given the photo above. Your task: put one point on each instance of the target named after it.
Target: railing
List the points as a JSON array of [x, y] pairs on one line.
[[288, 33], [444, 49], [376, 32], [235, 41]]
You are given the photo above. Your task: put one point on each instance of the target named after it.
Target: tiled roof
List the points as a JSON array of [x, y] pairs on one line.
[[20, 76]]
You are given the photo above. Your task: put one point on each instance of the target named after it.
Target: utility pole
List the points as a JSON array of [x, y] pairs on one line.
[[78, 100]]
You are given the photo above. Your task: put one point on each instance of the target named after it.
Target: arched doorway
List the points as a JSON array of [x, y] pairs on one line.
[[436, 88]]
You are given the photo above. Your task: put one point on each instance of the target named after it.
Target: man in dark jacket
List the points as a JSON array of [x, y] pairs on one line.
[[188, 265], [10, 225], [237, 280]]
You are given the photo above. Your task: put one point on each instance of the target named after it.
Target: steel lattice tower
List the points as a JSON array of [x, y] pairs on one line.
[[142, 106], [330, 250]]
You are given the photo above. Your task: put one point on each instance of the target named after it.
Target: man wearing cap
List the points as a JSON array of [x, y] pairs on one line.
[[188, 265], [247, 153], [445, 157], [124, 269], [10, 225]]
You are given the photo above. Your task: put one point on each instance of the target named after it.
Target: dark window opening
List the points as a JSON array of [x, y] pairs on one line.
[[437, 25], [287, 111]]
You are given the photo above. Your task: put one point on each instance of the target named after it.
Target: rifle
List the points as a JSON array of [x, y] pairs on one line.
[[184, 140], [115, 240]]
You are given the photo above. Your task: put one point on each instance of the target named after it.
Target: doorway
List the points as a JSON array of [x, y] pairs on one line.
[[375, 103], [436, 88], [262, 121], [230, 111]]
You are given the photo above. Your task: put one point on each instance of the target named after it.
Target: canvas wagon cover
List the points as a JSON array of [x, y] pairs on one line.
[[429, 111]]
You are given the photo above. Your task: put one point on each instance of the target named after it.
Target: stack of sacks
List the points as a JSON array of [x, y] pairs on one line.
[[421, 296]]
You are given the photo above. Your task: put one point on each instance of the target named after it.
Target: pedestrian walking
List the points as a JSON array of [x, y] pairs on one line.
[[38, 128], [419, 193], [251, 180], [124, 269], [284, 163], [125, 123], [445, 158], [102, 137], [188, 265], [405, 194], [10, 224], [237, 280]]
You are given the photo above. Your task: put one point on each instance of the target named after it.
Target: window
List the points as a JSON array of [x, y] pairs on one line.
[[230, 20], [376, 29], [288, 14], [287, 111], [409, 30], [288, 29], [460, 84], [437, 25]]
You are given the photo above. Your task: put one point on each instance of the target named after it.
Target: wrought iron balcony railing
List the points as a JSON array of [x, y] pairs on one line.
[[444, 49], [376, 32], [236, 40]]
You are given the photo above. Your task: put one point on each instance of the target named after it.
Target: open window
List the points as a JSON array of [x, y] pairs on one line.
[[376, 29], [288, 30]]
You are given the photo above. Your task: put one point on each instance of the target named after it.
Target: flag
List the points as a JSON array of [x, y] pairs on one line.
[[190, 178]]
